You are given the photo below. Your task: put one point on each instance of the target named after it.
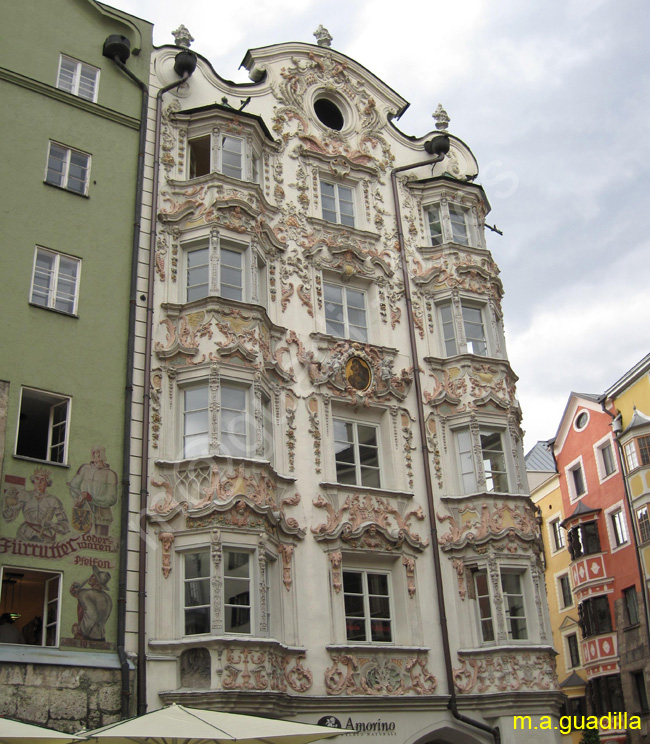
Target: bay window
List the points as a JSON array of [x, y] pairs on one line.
[[492, 467], [473, 340]]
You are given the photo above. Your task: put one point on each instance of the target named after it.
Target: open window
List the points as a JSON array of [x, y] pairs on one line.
[[30, 603], [43, 426]]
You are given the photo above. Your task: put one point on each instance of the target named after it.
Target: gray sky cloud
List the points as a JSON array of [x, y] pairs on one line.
[[554, 100]]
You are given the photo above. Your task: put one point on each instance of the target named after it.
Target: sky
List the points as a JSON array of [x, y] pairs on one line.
[[553, 98]]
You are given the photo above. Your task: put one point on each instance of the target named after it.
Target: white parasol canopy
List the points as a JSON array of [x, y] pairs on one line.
[[17, 732], [177, 724]]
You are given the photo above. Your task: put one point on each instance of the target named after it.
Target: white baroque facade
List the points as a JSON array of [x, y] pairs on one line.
[[333, 520]]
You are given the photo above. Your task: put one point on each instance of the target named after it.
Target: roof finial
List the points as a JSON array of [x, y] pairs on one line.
[[441, 117], [182, 37], [323, 36]]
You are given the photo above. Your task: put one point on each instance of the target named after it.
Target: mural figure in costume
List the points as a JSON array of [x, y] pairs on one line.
[[94, 606], [94, 492], [43, 513]]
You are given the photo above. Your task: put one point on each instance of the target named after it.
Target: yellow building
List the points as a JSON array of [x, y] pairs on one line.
[[544, 485], [628, 400]]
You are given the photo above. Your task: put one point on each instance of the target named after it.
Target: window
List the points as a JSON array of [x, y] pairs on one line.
[[197, 592], [338, 203], [644, 523], [513, 605], [236, 599], [367, 607], [484, 606], [574, 652], [225, 154], [607, 459], [231, 272], [606, 694], [474, 330], [639, 685], [55, 281], [77, 78], [631, 605], [584, 540], [448, 223], [234, 434], [565, 591], [631, 456], [43, 426], [493, 462], [356, 448], [595, 616], [577, 481], [345, 312], [67, 168], [559, 539], [619, 527], [30, 603], [644, 449]]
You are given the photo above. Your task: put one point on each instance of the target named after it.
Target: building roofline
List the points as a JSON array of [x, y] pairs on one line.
[[632, 375]]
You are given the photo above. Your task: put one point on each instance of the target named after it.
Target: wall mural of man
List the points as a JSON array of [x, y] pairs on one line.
[[94, 492], [45, 518], [94, 606]]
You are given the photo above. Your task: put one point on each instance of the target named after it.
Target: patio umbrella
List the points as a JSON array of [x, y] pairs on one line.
[[177, 724], [17, 732]]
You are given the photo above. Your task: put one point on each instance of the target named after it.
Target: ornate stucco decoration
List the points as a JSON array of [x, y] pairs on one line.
[[232, 332], [441, 118], [477, 521], [468, 385], [456, 269], [373, 523], [323, 36], [210, 496], [492, 672], [334, 371], [277, 669], [167, 540], [379, 674]]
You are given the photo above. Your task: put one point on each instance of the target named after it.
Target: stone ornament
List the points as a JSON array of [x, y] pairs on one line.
[[379, 674], [498, 672]]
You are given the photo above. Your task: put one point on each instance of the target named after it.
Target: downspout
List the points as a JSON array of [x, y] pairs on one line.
[[633, 522], [128, 400], [185, 70], [453, 703]]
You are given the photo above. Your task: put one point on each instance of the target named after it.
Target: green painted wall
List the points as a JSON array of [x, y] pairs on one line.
[[83, 357]]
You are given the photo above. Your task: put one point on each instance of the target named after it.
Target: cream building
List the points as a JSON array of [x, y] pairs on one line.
[[333, 520]]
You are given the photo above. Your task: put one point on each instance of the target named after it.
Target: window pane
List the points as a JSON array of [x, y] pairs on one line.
[[87, 81], [67, 75], [56, 165], [448, 331], [435, 225], [458, 224]]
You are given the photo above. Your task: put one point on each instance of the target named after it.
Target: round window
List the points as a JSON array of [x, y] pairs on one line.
[[329, 114], [581, 420]]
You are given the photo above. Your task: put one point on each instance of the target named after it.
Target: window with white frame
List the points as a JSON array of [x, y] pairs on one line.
[[637, 452], [492, 467], [566, 595], [338, 203], [234, 434], [223, 153], [631, 603], [513, 605], [573, 648], [237, 581], [43, 423], [631, 455], [558, 534], [644, 523], [605, 459], [474, 340], [367, 601], [67, 168], [345, 311], [356, 448], [618, 527], [575, 479], [32, 600], [224, 268], [448, 222], [77, 78], [55, 281]]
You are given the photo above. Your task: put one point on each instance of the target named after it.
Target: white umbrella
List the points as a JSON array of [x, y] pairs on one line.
[[17, 732], [177, 724]]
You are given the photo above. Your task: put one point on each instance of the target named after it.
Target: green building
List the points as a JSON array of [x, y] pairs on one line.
[[71, 137]]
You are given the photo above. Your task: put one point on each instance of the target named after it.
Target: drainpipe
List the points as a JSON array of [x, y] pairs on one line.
[[438, 147], [617, 430], [184, 65], [128, 389]]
